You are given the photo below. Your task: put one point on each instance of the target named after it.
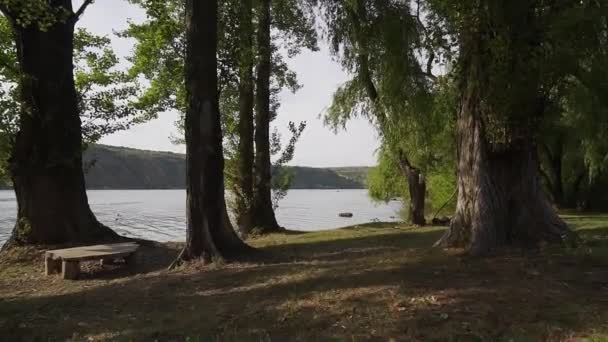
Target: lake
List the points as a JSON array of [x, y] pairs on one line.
[[160, 214]]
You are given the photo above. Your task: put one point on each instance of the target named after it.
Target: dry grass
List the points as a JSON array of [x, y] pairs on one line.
[[374, 282]]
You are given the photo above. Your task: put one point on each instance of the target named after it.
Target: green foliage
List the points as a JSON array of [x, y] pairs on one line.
[[441, 187], [158, 58], [385, 181], [159, 54], [391, 54], [557, 92], [160, 48], [34, 12], [23, 230], [282, 177], [104, 92]]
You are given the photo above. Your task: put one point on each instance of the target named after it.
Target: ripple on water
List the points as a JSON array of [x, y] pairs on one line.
[[160, 214]]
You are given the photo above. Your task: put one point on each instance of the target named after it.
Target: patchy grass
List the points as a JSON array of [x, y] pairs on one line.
[[371, 282]]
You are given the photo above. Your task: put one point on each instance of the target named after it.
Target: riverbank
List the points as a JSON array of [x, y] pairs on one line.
[[369, 282]]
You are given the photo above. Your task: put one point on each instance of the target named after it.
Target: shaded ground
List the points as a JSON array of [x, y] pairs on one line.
[[373, 282]]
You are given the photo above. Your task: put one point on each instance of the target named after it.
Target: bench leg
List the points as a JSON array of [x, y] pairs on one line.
[[51, 266], [70, 269], [130, 260]]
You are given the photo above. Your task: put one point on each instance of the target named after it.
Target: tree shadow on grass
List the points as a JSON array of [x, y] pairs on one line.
[[357, 246], [389, 292]]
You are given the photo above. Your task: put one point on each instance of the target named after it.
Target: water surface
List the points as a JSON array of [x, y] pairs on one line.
[[160, 214]]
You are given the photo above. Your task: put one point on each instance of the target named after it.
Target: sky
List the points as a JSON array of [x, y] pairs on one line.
[[319, 74]]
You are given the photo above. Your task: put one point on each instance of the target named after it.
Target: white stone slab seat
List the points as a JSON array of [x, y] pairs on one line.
[[68, 260]]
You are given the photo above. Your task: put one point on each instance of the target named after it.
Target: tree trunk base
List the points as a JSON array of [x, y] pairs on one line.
[[481, 225], [99, 234]]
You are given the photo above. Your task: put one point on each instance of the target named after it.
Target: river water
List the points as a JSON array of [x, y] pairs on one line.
[[160, 214]]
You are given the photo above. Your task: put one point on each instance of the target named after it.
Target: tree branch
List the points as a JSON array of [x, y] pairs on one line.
[[429, 66], [4, 10], [10, 16], [545, 148], [547, 179], [81, 10]]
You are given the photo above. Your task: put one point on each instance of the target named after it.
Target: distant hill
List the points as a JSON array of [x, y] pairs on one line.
[[317, 178], [109, 167], [355, 173]]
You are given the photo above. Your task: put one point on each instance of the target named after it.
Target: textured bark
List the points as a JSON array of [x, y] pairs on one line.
[[554, 178], [500, 199], [46, 161], [244, 191], [209, 234], [417, 189], [264, 219]]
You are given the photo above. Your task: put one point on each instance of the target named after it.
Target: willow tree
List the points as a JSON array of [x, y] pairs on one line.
[[572, 148], [380, 42], [46, 158], [512, 57], [508, 58], [209, 234]]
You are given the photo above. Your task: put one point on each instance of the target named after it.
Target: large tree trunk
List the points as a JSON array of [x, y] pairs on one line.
[[244, 191], [264, 219], [500, 199], [209, 233], [417, 189], [46, 162]]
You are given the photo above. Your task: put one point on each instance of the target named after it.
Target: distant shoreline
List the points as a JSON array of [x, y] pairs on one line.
[[118, 168]]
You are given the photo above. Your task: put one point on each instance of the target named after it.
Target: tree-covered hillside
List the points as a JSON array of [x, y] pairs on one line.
[[109, 167]]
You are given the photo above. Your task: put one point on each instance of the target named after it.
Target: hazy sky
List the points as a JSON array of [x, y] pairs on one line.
[[317, 72]]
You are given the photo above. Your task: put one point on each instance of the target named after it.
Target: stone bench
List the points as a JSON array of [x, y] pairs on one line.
[[67, 261]]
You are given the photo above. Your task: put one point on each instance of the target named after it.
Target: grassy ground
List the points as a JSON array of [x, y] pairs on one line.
[[376, 282]]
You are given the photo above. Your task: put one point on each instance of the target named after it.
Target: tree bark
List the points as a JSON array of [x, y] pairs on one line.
[[46, 162], [264, 219], [417, 189], [244, 191], [209, 234], [554, 179], [500, 199]]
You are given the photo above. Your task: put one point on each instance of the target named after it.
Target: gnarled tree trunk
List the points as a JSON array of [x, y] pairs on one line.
[[46, 162], [264, 219], [244, 191], [500, 199], [417, 189], [209, 233]]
